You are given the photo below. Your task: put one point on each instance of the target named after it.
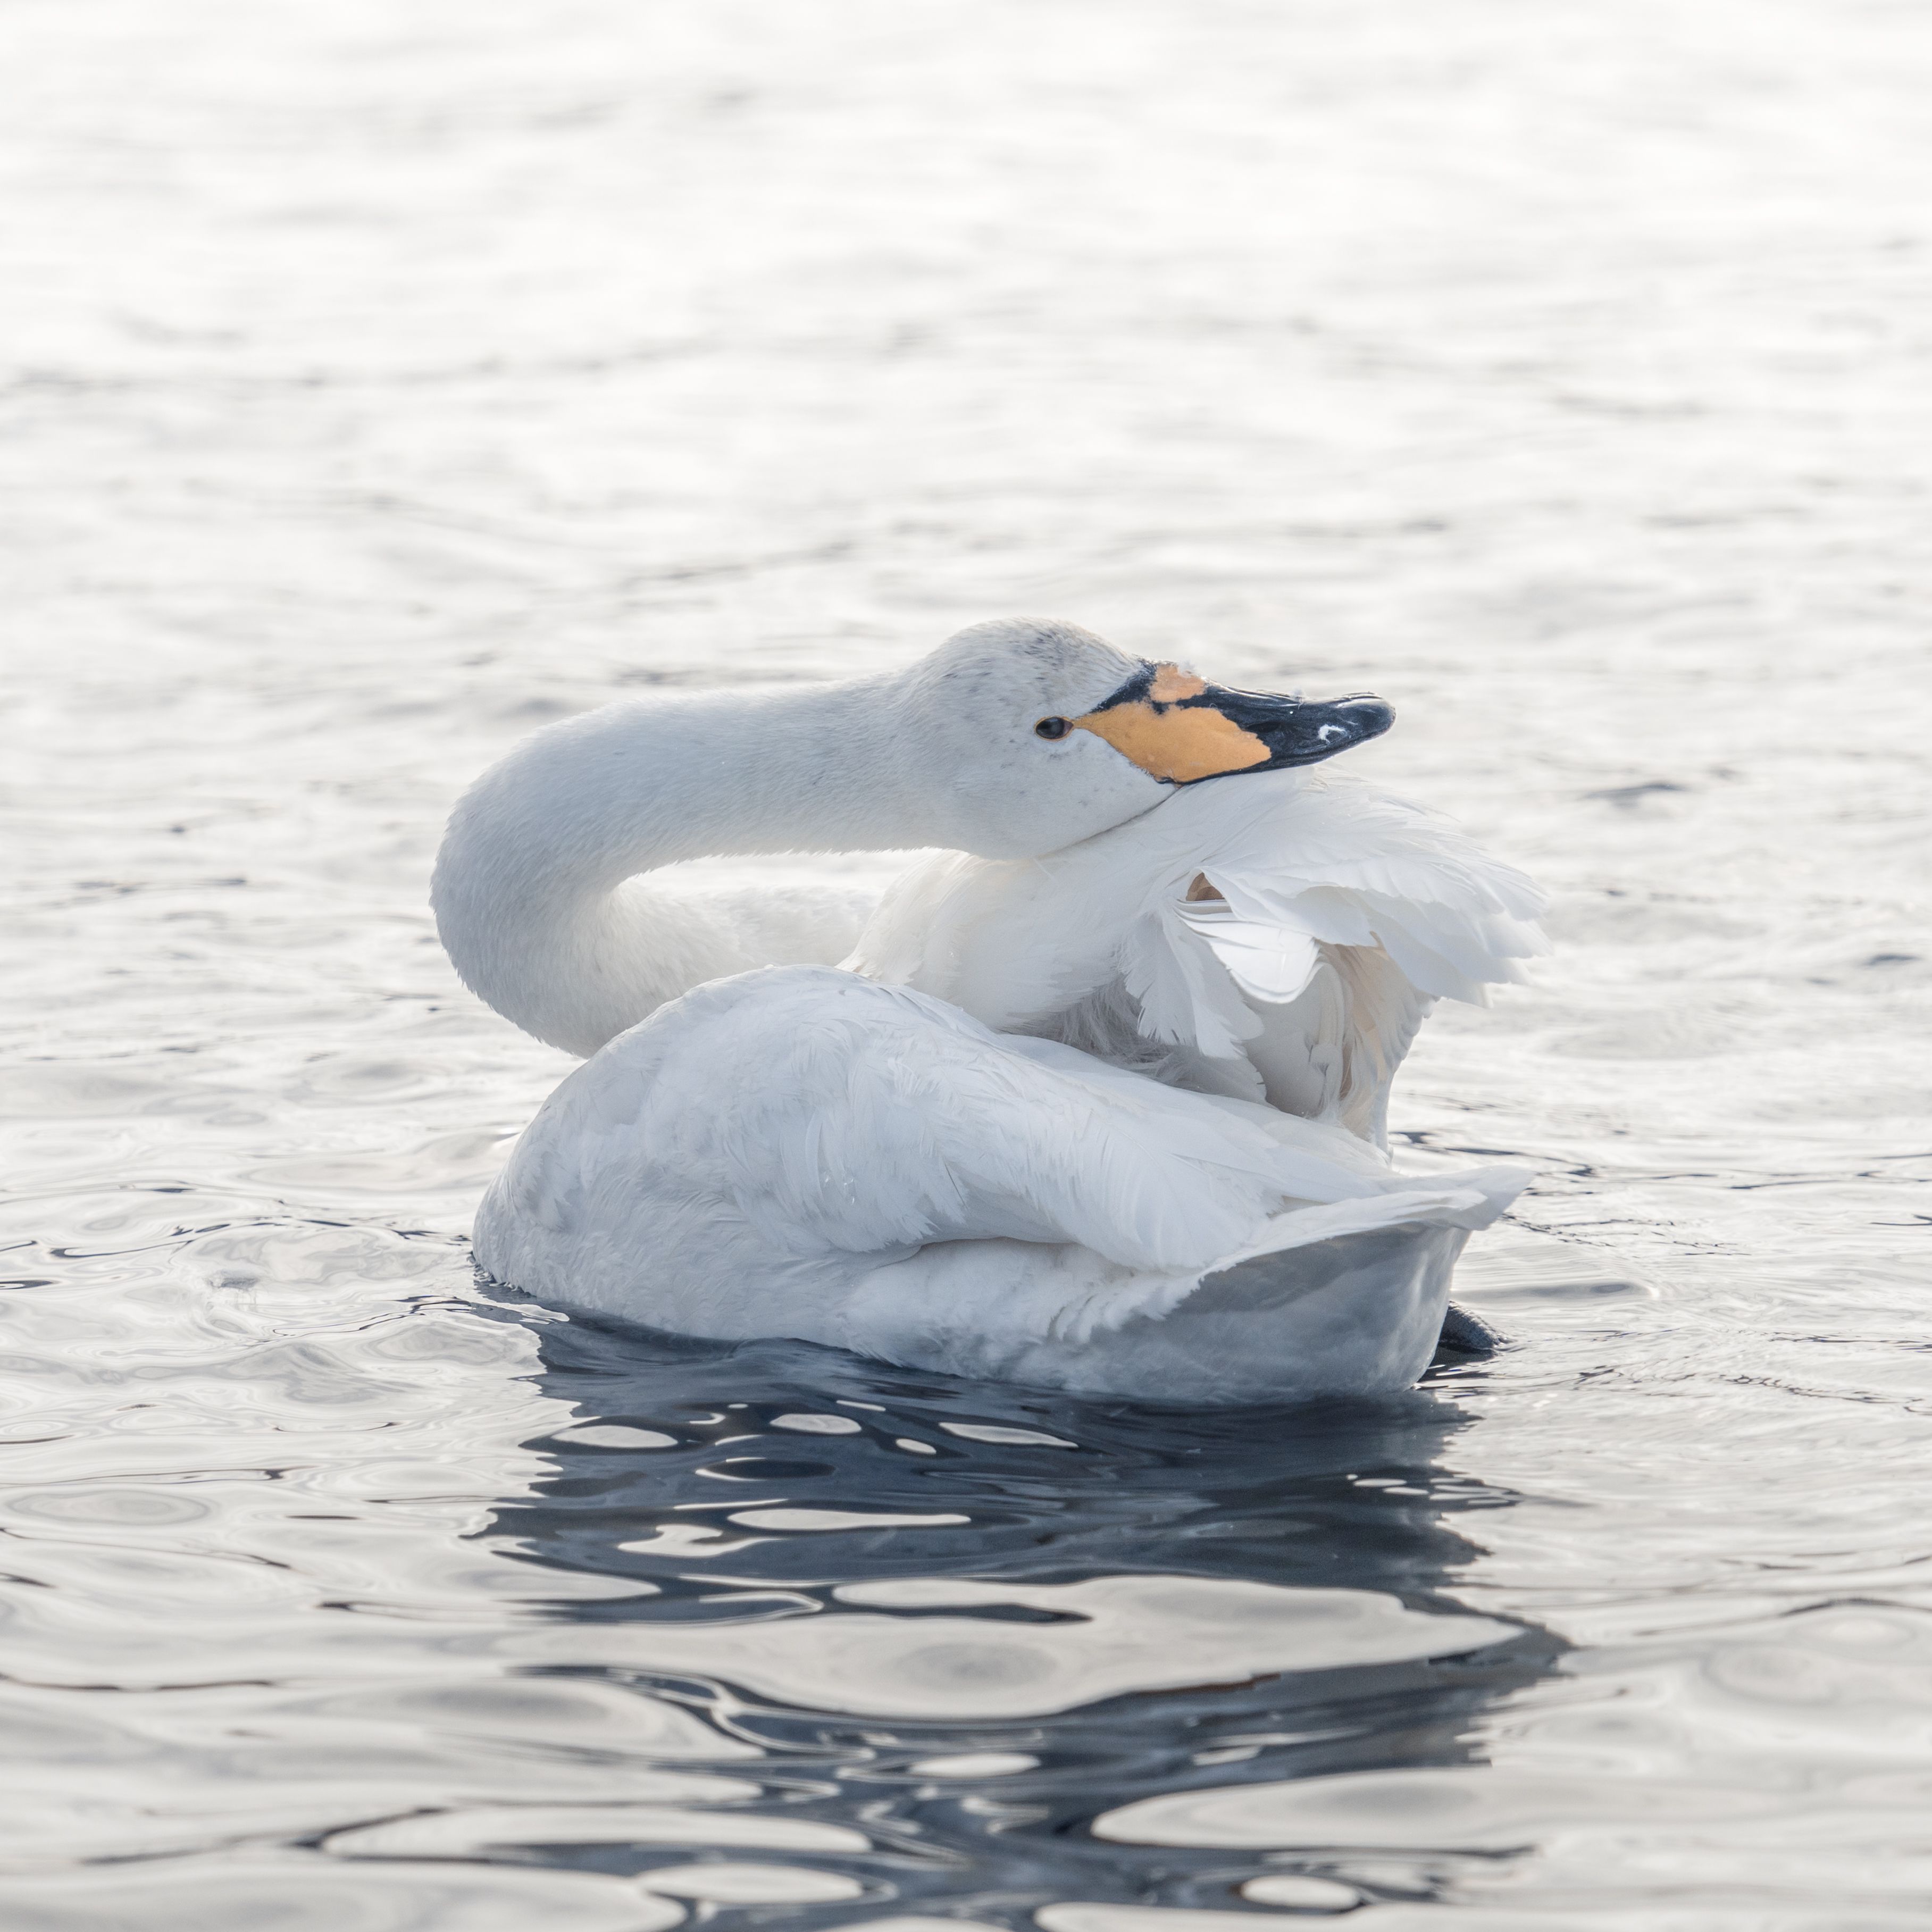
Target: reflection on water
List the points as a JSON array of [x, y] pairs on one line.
[[377, 382], [975, 1618]]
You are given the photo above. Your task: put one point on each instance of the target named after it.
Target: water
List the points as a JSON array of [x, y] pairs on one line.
[[379, 383]]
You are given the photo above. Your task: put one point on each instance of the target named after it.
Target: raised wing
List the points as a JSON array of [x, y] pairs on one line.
[[1387, 909], [1282, 934]]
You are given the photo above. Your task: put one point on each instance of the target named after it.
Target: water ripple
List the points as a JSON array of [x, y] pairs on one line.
[[392, 384]]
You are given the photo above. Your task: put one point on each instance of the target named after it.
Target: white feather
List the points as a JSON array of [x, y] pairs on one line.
[[1312, 870], [1270, 960]]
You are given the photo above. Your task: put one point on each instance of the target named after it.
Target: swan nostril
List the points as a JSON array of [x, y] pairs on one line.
[[1052, 728]]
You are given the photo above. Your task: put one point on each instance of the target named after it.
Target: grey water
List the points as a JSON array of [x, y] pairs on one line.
[[377, 383]]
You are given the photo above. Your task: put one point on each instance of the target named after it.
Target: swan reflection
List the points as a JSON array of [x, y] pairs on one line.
[[957, 1624]]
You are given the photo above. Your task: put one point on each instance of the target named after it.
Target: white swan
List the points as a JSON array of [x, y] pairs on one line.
[[1098, 1100]]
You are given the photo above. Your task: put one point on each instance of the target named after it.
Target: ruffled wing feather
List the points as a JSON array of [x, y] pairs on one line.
[[1342, 915]]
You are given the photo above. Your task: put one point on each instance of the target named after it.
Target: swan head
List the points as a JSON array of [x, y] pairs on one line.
[[1029, 734]]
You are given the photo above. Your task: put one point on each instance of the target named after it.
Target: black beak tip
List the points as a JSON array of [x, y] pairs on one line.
[[1370, 717], [1315, 732]]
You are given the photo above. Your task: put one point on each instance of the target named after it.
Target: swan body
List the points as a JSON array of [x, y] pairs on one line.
[[1095, 1097]]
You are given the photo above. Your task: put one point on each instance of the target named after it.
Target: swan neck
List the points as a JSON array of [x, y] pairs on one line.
[[534, 894]]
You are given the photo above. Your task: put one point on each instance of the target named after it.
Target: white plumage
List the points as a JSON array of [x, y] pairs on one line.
[[1339, 915], [1104, 1111]]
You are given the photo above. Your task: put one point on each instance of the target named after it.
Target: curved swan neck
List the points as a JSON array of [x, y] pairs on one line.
[[529, 887]]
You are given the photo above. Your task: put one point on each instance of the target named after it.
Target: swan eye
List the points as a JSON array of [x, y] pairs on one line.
[[1052, 728]]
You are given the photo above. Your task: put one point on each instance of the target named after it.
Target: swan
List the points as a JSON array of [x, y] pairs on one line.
[[1095, 1097]]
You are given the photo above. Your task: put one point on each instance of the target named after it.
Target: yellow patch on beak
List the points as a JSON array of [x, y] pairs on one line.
[[1179, 746], [1171, 684]]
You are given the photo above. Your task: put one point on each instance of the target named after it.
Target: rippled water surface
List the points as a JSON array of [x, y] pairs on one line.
[[379, 382]]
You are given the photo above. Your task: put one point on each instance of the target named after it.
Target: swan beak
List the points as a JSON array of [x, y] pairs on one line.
[[1180, 729]]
